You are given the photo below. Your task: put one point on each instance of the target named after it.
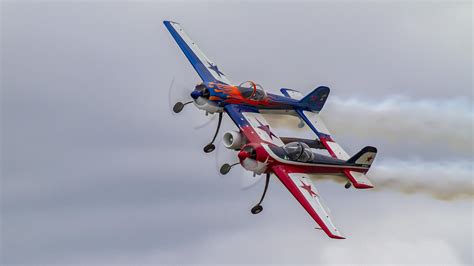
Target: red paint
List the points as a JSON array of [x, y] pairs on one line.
[[307, 187], [282, 174], [354, 181]]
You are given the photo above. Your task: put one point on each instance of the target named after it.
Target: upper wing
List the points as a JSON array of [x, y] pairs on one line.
[[305, 192], [317, 125], [256, 129], [252, 124], [206, 69]]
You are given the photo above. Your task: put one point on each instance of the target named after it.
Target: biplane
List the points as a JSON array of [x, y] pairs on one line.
[[259, 149]]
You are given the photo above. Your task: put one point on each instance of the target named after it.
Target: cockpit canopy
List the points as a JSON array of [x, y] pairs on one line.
[[299, 151], [251, 90]]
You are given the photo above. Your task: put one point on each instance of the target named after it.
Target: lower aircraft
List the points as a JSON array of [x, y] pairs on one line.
[[260, 150]]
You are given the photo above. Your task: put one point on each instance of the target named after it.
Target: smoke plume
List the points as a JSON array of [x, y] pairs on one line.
[[442, 180], [444, 122], [447, 124]]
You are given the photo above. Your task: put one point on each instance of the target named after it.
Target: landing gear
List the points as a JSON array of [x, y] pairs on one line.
[[210, 147], [348, 185], [225, 168], [178, 107], [258, 207]]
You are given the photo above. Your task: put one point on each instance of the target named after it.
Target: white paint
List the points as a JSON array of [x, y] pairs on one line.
[[254, 119], [360, 178], [202, 57], [317, 122], [207, 105], [295, 94], [338, 151], [314, 200]]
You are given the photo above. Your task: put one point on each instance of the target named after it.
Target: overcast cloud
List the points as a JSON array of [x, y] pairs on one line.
[[96, 169]]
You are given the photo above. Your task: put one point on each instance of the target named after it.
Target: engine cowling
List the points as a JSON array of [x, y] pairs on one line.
[[234, 140], [207, 105], [253, 157]]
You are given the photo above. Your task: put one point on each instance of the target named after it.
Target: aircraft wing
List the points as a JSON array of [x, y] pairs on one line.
[[305, 192], [319, 128], [206, 69], [252, 124], [256, 129], [314, 121]]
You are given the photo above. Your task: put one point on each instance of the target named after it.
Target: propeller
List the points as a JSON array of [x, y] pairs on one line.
[[179, 95], [228, 165]]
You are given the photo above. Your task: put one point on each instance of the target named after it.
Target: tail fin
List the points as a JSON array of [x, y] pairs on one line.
[[316, 99], [364, 157]]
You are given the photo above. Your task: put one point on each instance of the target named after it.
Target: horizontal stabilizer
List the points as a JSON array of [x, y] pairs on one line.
[[291, 93], [359, 180]]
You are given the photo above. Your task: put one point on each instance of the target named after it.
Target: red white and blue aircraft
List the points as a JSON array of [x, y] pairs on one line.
[[260, 150]]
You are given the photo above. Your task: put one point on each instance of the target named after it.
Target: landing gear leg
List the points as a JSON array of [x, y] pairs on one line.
[[258, 208], [210, 147]]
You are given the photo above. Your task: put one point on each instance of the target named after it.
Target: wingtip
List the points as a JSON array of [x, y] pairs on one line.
[[362, 186], [169, 22], [337, 237], [330, 234]]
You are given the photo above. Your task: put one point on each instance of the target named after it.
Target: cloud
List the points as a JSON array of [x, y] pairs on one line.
[[391, 250], [379, 239], [441, 180], [93, 157]]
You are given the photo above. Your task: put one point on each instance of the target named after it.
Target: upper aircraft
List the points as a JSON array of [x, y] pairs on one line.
[[260, 150]]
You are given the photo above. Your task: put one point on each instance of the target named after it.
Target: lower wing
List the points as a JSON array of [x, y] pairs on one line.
[[307, 195]]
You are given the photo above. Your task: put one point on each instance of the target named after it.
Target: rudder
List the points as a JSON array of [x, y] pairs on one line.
[[315, 100], [364, 157]]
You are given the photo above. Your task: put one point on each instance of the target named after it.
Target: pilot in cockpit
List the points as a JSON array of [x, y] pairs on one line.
[[299, 151], [251, 90]]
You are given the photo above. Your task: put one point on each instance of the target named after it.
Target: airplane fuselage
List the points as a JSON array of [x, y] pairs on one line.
[[266, 156], [219, 95]]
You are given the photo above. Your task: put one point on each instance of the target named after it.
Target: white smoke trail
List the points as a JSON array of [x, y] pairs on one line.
[[448, 124], [443, 180], [398, 118]]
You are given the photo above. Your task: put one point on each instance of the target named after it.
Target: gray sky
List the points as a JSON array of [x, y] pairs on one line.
[[96, 169]]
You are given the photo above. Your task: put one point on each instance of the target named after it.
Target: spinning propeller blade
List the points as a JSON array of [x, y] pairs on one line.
[[179, 95], [226, 156]]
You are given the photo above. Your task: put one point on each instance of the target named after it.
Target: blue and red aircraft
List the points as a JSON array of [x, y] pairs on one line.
[[260, 150]]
